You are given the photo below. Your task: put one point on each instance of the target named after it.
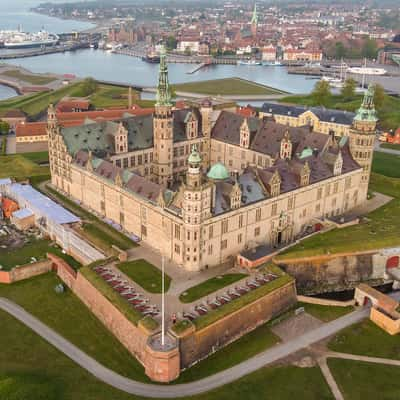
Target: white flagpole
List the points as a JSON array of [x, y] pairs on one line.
[[162, 303]]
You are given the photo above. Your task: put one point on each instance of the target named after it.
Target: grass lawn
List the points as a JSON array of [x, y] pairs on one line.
[[381, 229], [38, 248], [226, 86], [30, 78], [248, 298], [145, 274], [367, 339], [209, 286], [101, 233], [367, 381], [32, 368], [389, 116], [392, 146], [110, 96], [40, 157], [386, 164], [325, 313], [37, 103], [247, 346], [68, 316], [18, 166]]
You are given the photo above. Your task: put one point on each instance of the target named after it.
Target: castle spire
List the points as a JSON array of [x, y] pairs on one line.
[[163, 96], [254, 18], [367, 110]]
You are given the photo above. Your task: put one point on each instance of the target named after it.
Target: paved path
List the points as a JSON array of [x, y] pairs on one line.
[[330, 380], [377, 147], [188, 389], [355, 357]]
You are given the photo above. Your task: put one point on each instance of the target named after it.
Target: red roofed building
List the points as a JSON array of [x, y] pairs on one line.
[[73, 105], [246, 112], [13, 117], [395, 138], [302, 55], [8, 206]]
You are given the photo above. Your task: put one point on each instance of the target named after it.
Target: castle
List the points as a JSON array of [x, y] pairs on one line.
[[203, 183]]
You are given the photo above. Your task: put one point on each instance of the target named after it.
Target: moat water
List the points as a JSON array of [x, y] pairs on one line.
[[107, 66]]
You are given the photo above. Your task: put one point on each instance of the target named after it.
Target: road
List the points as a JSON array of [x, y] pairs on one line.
[[188, 389], [377, 147]]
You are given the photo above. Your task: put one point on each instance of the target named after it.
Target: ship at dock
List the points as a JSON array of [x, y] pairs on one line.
[[152, 56], [24, 40]]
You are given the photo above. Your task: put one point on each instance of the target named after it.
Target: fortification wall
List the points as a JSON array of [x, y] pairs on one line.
[[25, 272], [201, 343], [340, 271]]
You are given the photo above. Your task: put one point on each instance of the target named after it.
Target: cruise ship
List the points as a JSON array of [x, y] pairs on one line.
[[23, 40]]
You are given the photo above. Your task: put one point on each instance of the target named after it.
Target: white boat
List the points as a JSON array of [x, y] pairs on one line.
[[366, 71], [23, 40], [333, 82], [272, 63], [249, 62]]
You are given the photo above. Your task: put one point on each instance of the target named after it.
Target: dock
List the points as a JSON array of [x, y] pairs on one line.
[[197, 68]]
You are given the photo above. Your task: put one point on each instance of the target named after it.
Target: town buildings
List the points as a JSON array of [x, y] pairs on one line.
[[201, 184]]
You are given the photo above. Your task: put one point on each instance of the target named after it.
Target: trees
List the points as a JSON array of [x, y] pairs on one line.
[[321, 93], [349, 89], [171, 42], [89, 86], [379, 96], [4, 127], [340, 50], [369, 49]]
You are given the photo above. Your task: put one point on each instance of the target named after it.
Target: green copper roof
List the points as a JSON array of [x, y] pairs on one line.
[[307, 152], [163, 96], [367, 110], [194, 157], [218, 172]]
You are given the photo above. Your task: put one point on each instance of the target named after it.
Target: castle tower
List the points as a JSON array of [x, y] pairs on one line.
[[52, 130], [254, 21], [362, 137], [206, 113], [59, 159], [163, 127], [196, 208]]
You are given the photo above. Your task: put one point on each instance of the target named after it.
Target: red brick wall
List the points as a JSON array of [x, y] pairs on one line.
[[25, 272], [201, 343]]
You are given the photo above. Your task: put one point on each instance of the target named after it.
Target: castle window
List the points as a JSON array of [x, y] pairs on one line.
[[177, 249], [188, 235], [274, 209], [224, 244], [224, 226], [240, 221], [210, 249], [257, 231], [240, 236], [336, 187], [210, 231], [319, 194], [140, 160], [177, 232], [328, 190], [258, 214], [347, 182], [290, 203]]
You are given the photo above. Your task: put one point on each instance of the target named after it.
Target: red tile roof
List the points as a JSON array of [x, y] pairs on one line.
[[30, 129]]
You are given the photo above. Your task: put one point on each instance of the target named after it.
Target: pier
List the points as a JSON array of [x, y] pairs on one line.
[[43, 51]]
